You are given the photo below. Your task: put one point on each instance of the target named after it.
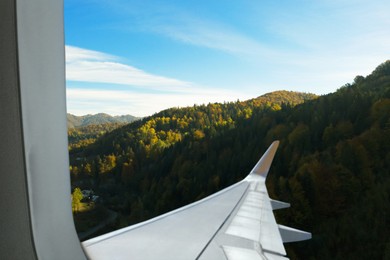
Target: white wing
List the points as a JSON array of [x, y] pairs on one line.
[[235, 223]]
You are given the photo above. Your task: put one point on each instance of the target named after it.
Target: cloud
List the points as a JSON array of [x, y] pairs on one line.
[[137, 96], [183, 24], [92, 66], [212, 35], [75, 54]]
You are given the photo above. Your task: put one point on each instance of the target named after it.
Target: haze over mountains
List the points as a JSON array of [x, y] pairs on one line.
[[332, 165]]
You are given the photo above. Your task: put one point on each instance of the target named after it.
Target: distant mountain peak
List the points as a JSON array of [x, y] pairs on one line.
[[97, 119]]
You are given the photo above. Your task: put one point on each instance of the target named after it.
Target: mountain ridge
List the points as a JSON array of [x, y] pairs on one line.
[[96, 119]]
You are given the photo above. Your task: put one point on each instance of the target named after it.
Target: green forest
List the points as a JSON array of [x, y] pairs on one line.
[[332, 165]]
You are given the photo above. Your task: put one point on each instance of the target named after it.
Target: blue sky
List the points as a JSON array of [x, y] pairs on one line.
[[139, 57]]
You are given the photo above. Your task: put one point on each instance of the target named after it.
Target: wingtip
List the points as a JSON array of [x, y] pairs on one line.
[[263, 165]]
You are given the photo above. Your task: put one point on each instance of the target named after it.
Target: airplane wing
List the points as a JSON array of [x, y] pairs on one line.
[[235, 223]]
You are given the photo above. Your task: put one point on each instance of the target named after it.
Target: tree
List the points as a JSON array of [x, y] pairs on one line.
[[77, 196]]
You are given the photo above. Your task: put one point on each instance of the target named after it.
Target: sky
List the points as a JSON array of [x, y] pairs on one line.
[[140, 57]]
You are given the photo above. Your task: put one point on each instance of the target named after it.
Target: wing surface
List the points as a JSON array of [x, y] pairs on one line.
[[235, 223]]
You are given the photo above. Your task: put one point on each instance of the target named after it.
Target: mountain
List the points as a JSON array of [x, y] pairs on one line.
[[332, 164], [97, 119], [171, 126]]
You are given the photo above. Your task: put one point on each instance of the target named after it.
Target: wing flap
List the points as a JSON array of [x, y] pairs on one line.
[[237, 253]]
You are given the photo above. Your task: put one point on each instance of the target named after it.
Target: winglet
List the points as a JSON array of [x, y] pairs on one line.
[[263, 165]]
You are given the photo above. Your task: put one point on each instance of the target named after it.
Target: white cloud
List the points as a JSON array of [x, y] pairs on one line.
[[183, 25], [96, 67], [92, 66], [212, 35], [75, 54]]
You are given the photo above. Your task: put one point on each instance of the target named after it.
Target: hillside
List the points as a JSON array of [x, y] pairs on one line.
[[332, 165], [166, 128], [82, 136], [98, 119]]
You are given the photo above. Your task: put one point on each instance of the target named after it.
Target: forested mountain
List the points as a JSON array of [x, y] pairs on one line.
[[97, 119], [332, 165]]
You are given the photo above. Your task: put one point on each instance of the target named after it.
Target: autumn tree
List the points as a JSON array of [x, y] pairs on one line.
[[77, 196]]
